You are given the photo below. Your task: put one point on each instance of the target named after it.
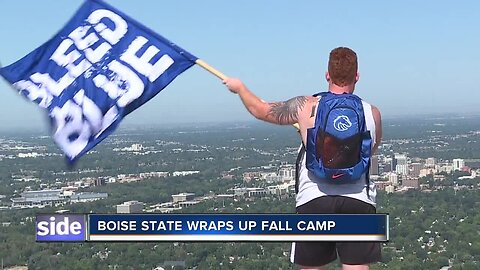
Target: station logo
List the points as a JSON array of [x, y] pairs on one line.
[[52, 227]]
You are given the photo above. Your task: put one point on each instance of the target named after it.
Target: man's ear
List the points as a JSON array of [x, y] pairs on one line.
[[327, 76], [357, 77]]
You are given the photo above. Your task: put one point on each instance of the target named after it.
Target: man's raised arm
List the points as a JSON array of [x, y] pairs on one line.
[[280, 113]]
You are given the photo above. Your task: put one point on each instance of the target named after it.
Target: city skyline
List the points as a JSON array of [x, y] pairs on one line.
[[244, 169], [411, 61]]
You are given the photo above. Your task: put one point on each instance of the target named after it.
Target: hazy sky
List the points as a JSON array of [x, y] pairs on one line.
[[415, 57]]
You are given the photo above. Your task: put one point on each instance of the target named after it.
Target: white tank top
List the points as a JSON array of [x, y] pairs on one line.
[[309, 187]]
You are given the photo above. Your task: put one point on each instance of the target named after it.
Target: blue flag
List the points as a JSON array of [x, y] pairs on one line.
[[100, 67]]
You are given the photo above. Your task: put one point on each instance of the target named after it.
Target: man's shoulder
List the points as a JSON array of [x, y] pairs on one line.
[[374, 108], [375, 112]]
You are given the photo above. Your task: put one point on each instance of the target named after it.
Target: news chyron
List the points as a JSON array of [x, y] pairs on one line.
[[61, 228], [211, 227]]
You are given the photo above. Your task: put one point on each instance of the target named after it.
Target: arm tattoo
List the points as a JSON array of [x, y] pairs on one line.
[[286, 112]]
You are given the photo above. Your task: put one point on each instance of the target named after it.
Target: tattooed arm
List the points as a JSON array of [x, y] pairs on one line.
[[281, 113], [285, 112]]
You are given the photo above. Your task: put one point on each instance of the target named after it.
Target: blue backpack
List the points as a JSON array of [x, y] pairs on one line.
[[339, 145]]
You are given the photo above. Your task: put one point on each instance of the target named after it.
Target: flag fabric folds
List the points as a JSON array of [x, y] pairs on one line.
[[100, 67]]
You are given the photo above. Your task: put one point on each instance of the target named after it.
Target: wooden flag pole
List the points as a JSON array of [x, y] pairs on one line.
[[210, 69], [222, 77]]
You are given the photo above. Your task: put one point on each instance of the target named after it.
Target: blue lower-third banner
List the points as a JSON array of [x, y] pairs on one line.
[[237, 227]]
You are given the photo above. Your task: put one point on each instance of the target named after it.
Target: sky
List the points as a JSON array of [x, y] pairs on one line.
[[415, 57]]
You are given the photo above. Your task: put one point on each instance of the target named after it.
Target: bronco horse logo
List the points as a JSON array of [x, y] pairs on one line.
[[342, 123]]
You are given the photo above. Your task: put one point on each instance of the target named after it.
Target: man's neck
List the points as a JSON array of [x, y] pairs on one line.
[[341, 89]]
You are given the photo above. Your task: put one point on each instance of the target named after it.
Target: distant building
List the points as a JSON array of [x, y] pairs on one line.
[[415, 169], [387, 165], [28, 155], [411, 182], [256, 192], [250, 192], [227, 176], [447, 168], [286, 172], [225, 196], [430, 162], [130, 207], [427, 171], [278, 190], [271, 177], [87, 197], [393, 178], [393, 163], [389, 189], [39, 198], [374, 168], [249, 176], [17, 267], [182, 197], [401, 167], [136, 147], [458, 164], [187, 203], [99, 182], [184, 173], [239, 192], [153, 174], [381, 185]]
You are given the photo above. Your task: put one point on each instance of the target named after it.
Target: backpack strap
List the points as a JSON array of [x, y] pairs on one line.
[[297, 167], [302, 150]]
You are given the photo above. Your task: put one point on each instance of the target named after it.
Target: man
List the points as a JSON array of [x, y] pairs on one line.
[[319, 197]]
